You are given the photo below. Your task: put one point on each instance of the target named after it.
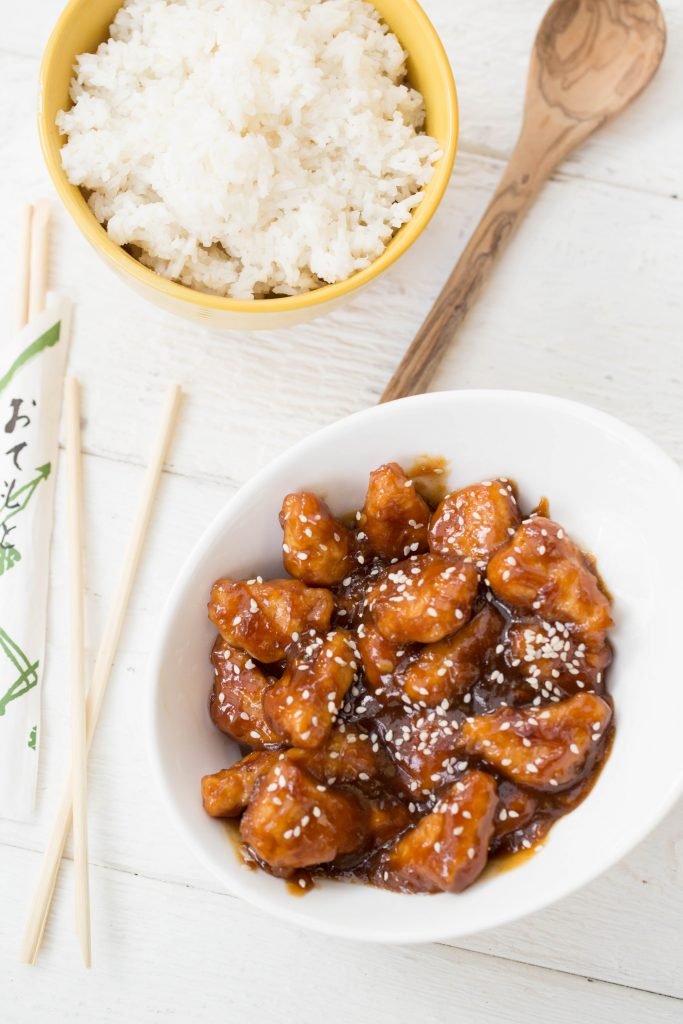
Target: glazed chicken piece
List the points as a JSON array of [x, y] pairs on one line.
[[294, 821], [475, 521], [541, 748], [515, 810], [380, 659], [542, 570], [395, 518], [448, 848], [303, 704], [423, 599], [261, 618], [225, 794], [236, 701], [388, 817], [445, 670], [350, 754], [423, 745], [350, 594], [552, 656], [316, 548]]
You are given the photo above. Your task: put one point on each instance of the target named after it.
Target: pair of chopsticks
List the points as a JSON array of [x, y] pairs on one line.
[[31, 298], [85, 712], [33, 259]]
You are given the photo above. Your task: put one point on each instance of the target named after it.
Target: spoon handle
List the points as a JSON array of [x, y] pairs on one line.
[[523, 177]]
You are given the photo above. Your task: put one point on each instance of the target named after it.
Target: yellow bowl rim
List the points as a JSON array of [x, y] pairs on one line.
[[147, 278]]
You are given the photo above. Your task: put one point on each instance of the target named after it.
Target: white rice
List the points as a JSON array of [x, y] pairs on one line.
[[248, 147]]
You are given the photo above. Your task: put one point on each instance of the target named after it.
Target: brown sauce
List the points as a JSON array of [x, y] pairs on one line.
[[429, 473]]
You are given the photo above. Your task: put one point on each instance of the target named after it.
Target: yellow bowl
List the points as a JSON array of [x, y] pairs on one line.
[[84, 24]]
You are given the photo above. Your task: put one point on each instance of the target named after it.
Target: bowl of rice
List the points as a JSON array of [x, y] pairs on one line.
[[248, 165]]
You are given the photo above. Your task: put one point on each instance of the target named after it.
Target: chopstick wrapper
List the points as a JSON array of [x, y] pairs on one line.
[[32, 369]]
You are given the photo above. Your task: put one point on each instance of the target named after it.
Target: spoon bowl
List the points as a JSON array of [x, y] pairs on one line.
[[590, 60]]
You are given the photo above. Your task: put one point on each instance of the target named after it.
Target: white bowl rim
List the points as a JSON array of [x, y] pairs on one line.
[[657, 810]]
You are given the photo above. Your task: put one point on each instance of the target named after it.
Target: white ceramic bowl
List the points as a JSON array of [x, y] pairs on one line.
[[617, 494]]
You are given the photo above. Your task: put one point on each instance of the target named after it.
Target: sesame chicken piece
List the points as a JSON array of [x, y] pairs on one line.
[[423, 745], [448, 848], [303, 704], [293, 821], [474, 521], [316, 548], [445, 670], [236, 701], [423, 599], [555, 656], [542, 570], [542, 748], [350, 594], [380, 659], [225, 794], [395, 517], [516, 808], [260, 617], [350, 754], [388, 817]]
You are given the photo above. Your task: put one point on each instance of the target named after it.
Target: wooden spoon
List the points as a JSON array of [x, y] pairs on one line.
[[591, 58]]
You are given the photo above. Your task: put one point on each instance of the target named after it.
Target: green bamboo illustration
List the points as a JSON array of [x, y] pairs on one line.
[[27, 676], [27, 492], [9, 556], [46, 340], [8, 559]]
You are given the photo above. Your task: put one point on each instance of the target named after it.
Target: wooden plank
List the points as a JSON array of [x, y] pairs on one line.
[[163, 951], [488, 45], [624, 928]]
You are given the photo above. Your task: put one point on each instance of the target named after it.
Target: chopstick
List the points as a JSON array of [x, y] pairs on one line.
[[25, 219], [42, 898], [40, 224], [79, 754]]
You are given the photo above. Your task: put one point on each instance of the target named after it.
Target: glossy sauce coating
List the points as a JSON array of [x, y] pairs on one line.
[[427, 694]]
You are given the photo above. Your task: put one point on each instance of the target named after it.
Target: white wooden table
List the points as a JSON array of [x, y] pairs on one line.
[[588, 303]]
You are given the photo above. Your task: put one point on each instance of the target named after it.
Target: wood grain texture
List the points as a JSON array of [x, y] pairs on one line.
[[586, 305]]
